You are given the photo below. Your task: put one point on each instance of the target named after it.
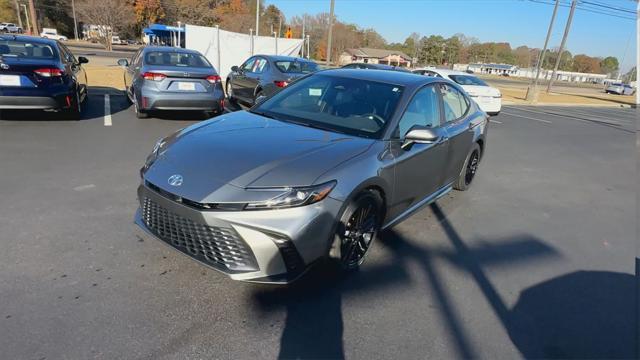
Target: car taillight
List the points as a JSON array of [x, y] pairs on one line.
[[281, 83], [213, 79], [153, 76], [49, 72]]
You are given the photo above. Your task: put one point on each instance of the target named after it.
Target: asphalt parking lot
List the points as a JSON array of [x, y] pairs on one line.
[[536, 260]]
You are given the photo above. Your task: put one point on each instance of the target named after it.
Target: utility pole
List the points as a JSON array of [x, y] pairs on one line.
[[532, 90], [562, 44], [26, 15], [34, 18], [75, 21], [280, 26], [330, 33], [257, 17], [18, 13]]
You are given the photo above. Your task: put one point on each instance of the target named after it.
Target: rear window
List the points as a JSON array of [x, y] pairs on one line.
[[26, 49], [176, 59], [467, 80], [304, 67]]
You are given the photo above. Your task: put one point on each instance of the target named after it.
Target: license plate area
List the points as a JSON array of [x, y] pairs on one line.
[[186, 86], [10, 80]]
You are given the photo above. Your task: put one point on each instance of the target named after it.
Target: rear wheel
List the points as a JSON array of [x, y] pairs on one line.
[[358, 227], [140, 114], [74, 112], [469, 169]]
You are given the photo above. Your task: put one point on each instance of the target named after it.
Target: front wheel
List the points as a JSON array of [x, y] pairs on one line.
[[468, 172], [358, 227]]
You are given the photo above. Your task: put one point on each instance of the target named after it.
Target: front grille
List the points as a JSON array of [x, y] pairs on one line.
[[219, 247]]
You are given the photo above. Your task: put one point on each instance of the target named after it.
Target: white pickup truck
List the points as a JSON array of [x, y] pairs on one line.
[[10, 28]]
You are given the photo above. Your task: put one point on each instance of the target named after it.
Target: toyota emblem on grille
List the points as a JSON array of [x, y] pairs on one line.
[[4, 66], [175, 180]]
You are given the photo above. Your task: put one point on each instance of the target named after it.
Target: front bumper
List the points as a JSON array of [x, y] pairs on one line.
[[488, 104], [271, 246]]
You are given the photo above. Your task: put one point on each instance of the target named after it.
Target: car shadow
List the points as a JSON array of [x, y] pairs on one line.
[[93, 107]]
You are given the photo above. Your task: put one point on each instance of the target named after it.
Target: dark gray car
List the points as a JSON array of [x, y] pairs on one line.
[[264, 75], [314, 171], [166, 78]]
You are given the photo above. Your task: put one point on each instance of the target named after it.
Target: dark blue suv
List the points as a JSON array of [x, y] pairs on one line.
[[37, 73]]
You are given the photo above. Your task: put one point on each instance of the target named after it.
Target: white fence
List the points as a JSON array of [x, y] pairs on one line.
[[225, 49]]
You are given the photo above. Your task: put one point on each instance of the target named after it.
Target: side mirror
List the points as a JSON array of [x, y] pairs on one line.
[[123, 62], [235, 68], [420, 135], [82, 60], [260, 99]]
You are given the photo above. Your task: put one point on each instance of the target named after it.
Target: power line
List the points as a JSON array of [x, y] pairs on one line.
[[608, 7]]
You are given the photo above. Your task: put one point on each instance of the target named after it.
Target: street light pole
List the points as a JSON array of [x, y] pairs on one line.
[[532, 91], [18, 13], [257, 17], [26, 15], [75, 21], [637, 56], [330, 33], [563, 43]]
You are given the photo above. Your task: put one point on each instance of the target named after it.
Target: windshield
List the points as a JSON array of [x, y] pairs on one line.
[[296, 66], [356, 107], [467, 80], [26, 49], [176, 59]]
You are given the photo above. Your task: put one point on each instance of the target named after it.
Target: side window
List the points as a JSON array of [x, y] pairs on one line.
[[423, 110], [259, 65], [455, 104], [66, 54], [248, 65], [136, 58]]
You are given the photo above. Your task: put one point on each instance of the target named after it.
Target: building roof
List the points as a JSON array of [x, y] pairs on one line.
[[496, 66], [376, 53]]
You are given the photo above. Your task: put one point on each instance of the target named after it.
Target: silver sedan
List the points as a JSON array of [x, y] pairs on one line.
[[313, 172]]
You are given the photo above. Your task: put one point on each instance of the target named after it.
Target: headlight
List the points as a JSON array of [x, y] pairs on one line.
[[295, 196], [153, 156]]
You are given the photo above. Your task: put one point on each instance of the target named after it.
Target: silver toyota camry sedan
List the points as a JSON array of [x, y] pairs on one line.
[[313, 172]]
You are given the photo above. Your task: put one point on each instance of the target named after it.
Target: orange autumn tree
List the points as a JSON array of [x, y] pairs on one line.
[[148, 12]]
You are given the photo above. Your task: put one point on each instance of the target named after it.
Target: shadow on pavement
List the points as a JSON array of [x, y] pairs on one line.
[[581, 315]]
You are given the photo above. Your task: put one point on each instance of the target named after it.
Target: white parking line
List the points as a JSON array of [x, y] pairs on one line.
[[526, 117], [107, 110], [495, 121]]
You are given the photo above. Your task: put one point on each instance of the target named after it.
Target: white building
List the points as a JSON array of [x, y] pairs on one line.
[[570, 76], [375, 56], [496, 69]]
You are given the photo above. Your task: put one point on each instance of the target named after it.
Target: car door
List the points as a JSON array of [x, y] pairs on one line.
[[73, 66], [419, 168], [130, 70], [240, 84], [456, 108], [255, 76]]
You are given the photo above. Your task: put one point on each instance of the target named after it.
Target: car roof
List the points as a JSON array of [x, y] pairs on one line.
[[283, 58], [406, 79], [34, 39], [170, 49]]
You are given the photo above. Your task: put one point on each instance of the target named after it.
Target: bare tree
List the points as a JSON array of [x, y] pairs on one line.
[[110, 16]]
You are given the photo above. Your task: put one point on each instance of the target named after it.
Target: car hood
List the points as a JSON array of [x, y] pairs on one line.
[[243, 150]]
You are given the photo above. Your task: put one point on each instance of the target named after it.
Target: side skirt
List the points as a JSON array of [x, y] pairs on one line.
[[422, 203]]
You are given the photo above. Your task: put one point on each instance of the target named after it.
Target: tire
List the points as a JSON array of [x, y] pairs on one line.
[[75, 111], [468, 171], [354, 235], [228, 90], [140, 114], [126, 95]]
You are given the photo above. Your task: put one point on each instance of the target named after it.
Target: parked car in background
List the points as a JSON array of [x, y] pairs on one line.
[[620, 89], [375, 67], [49, 33], [10, 28], [115, 40], [488, 97], [314, 171], [37, 73], [264, 75], [167, 78]]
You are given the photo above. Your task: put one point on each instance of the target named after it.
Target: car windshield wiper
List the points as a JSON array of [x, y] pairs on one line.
[[263, 114]]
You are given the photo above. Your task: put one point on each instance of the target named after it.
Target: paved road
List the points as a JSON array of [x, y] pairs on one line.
[[536, 260]]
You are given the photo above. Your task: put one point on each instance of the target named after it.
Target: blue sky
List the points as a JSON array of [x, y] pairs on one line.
[[519, 22]]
